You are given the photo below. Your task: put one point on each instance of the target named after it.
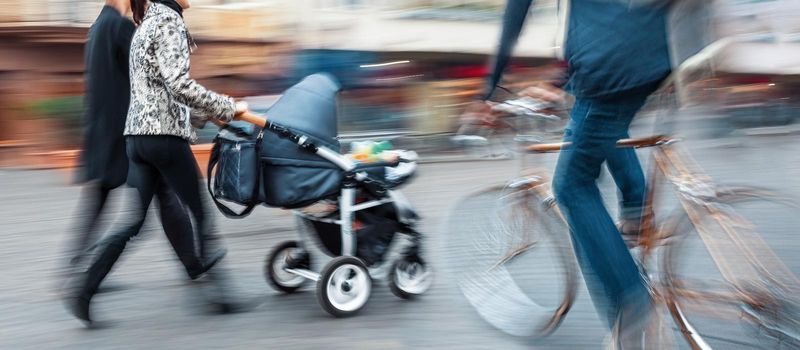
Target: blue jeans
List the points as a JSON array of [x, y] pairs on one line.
[[612, 277]]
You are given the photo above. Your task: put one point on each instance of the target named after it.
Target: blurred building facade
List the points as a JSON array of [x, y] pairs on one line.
[[257, 47], [414, 63], [41, 64]]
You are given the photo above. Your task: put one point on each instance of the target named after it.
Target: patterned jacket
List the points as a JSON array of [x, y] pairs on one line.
[[162, 93]]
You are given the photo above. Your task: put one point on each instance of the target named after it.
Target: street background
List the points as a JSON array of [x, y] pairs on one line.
[[409, 68], [156, 308]]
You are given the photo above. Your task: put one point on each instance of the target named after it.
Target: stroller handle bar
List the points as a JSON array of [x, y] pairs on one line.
[[301, 140], [252, 118]]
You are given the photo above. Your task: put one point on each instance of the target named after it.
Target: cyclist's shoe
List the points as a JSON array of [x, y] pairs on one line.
[[630, 231], [653, 332]]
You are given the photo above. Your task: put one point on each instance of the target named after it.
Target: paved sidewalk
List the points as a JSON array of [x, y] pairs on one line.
[[158, 310]]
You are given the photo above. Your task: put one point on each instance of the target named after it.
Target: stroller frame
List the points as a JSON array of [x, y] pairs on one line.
[[408, 276], [347, 210]]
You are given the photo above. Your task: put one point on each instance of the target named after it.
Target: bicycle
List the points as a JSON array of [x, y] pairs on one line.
[[522, 240]]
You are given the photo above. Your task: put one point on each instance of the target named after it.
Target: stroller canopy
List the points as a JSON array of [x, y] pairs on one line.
[[309, 107], [293, 177]]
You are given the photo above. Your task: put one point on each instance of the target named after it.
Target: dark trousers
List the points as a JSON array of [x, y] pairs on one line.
[[174, 219], [158, 163], [93, 200]]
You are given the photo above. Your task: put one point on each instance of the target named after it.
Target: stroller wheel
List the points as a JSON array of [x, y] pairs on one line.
[[344, 286], [410, 277], [274, 268]]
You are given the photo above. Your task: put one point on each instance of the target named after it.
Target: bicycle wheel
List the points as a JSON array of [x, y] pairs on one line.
[[711, 303], [513, 261]]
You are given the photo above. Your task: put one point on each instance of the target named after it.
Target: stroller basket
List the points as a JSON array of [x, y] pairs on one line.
[[374, 230]]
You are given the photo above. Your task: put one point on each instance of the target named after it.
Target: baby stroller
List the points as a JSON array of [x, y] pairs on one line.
[[352, 210]]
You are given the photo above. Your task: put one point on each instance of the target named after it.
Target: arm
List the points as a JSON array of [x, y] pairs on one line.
[[513, 19], [125, 29], [172, 54]]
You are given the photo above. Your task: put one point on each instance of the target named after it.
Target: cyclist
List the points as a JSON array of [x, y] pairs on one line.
[[617, 54]]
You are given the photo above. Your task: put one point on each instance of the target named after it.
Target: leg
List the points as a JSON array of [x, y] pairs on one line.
[[178, 228], [93, 197], [623, 164], [611, 274], [182, 176], [143, 178]]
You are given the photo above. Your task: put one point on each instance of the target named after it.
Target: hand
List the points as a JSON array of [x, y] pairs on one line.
[[477, 112], [197, 121], [241, 108], [546, 92]]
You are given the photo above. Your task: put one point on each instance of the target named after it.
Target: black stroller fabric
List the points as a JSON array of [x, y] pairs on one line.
[[379, 225], [376, 235], [292, 177]]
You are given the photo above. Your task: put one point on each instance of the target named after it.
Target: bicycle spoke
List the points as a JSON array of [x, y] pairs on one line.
[[515, 270]]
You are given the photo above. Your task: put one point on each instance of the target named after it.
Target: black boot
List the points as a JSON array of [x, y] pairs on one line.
[[86, 284], [219, 293], [78, 306], [76, 298], [208, 263]]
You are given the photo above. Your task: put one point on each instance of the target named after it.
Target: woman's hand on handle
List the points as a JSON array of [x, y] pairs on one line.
[[241, 108], [251, 118], [242, 112]]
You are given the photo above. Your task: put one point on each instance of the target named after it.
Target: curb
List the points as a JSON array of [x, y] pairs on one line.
[[457, 159], [770, 130]]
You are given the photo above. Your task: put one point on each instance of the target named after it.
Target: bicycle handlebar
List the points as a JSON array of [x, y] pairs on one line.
[[526, 106]]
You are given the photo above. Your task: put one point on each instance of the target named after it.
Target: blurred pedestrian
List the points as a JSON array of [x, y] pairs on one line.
[[618, 53], [158, 128], [104, 161]]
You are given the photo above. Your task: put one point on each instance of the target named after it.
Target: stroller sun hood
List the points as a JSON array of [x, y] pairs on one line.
[[292, 177], [309, 107]]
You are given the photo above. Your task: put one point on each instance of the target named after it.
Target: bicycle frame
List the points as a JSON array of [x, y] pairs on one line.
[[697, 196], [743, 258], [741, 255], [755, 278]]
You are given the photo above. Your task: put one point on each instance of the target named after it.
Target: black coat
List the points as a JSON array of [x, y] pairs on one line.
[[107, 97]]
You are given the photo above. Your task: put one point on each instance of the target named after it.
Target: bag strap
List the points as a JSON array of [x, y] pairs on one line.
[[212, 162]]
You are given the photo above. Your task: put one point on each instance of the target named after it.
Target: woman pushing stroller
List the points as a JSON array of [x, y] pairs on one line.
[[165, 103]]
